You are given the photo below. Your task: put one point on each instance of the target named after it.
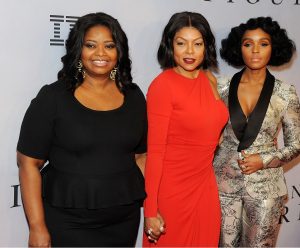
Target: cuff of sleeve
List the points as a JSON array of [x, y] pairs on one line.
[[269, 160], [150, 210], [266, 159]]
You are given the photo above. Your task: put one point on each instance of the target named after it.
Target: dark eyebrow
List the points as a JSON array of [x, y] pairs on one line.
[[265, 38], [185, 39], [107, 41]]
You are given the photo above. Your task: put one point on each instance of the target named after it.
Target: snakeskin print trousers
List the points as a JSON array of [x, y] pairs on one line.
[[249, 222]]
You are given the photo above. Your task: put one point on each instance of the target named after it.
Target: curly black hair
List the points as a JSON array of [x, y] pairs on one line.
[[69, 73], [282, 47], [165, 54]]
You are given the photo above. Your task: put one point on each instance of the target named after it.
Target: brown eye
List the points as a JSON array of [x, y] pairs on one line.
[[246, 44], [89, 45], [179, 44], [110, 46]]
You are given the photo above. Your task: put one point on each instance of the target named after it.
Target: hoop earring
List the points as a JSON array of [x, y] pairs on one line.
[[80, 68], [113, 73]]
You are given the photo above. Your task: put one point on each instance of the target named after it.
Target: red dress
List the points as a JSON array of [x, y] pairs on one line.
[[185, 122]]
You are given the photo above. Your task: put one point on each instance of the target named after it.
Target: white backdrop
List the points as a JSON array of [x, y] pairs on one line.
[[28, 61]]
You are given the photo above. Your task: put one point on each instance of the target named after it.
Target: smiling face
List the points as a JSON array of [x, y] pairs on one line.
[[189, 51], [256, 49], [99, 53]]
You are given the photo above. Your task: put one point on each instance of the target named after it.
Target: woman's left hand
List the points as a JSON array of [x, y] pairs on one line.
[[154, 227], [250, 163]]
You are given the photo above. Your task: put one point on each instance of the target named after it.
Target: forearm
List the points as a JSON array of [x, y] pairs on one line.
[[31, 186], [280, 157], [31, 189], [291, 134], [153, 174]]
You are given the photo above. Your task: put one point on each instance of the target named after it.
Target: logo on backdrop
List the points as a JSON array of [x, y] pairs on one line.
[[274, 2], [60, 25], [16, 196], [286, 216]]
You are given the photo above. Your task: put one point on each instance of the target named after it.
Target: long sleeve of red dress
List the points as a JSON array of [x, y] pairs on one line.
[[159, 108]]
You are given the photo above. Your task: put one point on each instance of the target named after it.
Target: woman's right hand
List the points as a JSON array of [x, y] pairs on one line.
[[154, 227], [39, 237]]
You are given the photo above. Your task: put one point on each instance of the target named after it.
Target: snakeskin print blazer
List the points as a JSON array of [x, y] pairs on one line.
[[280, 109]]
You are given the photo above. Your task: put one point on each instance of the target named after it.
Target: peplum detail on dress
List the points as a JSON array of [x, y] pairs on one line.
[[92, 191]]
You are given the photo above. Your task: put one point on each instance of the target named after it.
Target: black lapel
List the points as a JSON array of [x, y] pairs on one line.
[[246, 132], [237, 117]]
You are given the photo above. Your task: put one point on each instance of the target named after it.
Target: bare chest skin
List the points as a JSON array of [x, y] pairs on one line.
[[101, 99], [248, 95]]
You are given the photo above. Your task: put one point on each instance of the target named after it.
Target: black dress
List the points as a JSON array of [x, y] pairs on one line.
[[92, 184]]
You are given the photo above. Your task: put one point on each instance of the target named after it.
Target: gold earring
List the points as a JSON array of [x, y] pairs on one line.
[[80, 68], [113, 73]]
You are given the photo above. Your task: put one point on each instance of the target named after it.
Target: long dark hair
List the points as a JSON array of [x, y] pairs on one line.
[[69, 73], [165, 54]]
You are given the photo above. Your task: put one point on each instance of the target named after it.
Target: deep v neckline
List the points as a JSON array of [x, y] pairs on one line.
[[263, 90], [247, 129]]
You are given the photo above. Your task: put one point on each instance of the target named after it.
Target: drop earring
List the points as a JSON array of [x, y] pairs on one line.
[[113, 73], [80, 68]]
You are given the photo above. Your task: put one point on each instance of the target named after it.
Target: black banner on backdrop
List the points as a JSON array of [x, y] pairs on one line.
[[274, 2], [16, 194], [59, 20]]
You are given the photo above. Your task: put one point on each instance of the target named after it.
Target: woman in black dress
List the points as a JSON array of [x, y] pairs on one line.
[[90, 126]]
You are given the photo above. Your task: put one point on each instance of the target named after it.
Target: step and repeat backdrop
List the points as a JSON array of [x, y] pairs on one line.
[[33, 34]]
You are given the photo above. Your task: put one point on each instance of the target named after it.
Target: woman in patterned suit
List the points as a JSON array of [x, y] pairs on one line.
[[248, 164]]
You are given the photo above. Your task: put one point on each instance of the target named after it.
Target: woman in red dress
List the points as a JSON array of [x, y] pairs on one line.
[[186, 117]]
